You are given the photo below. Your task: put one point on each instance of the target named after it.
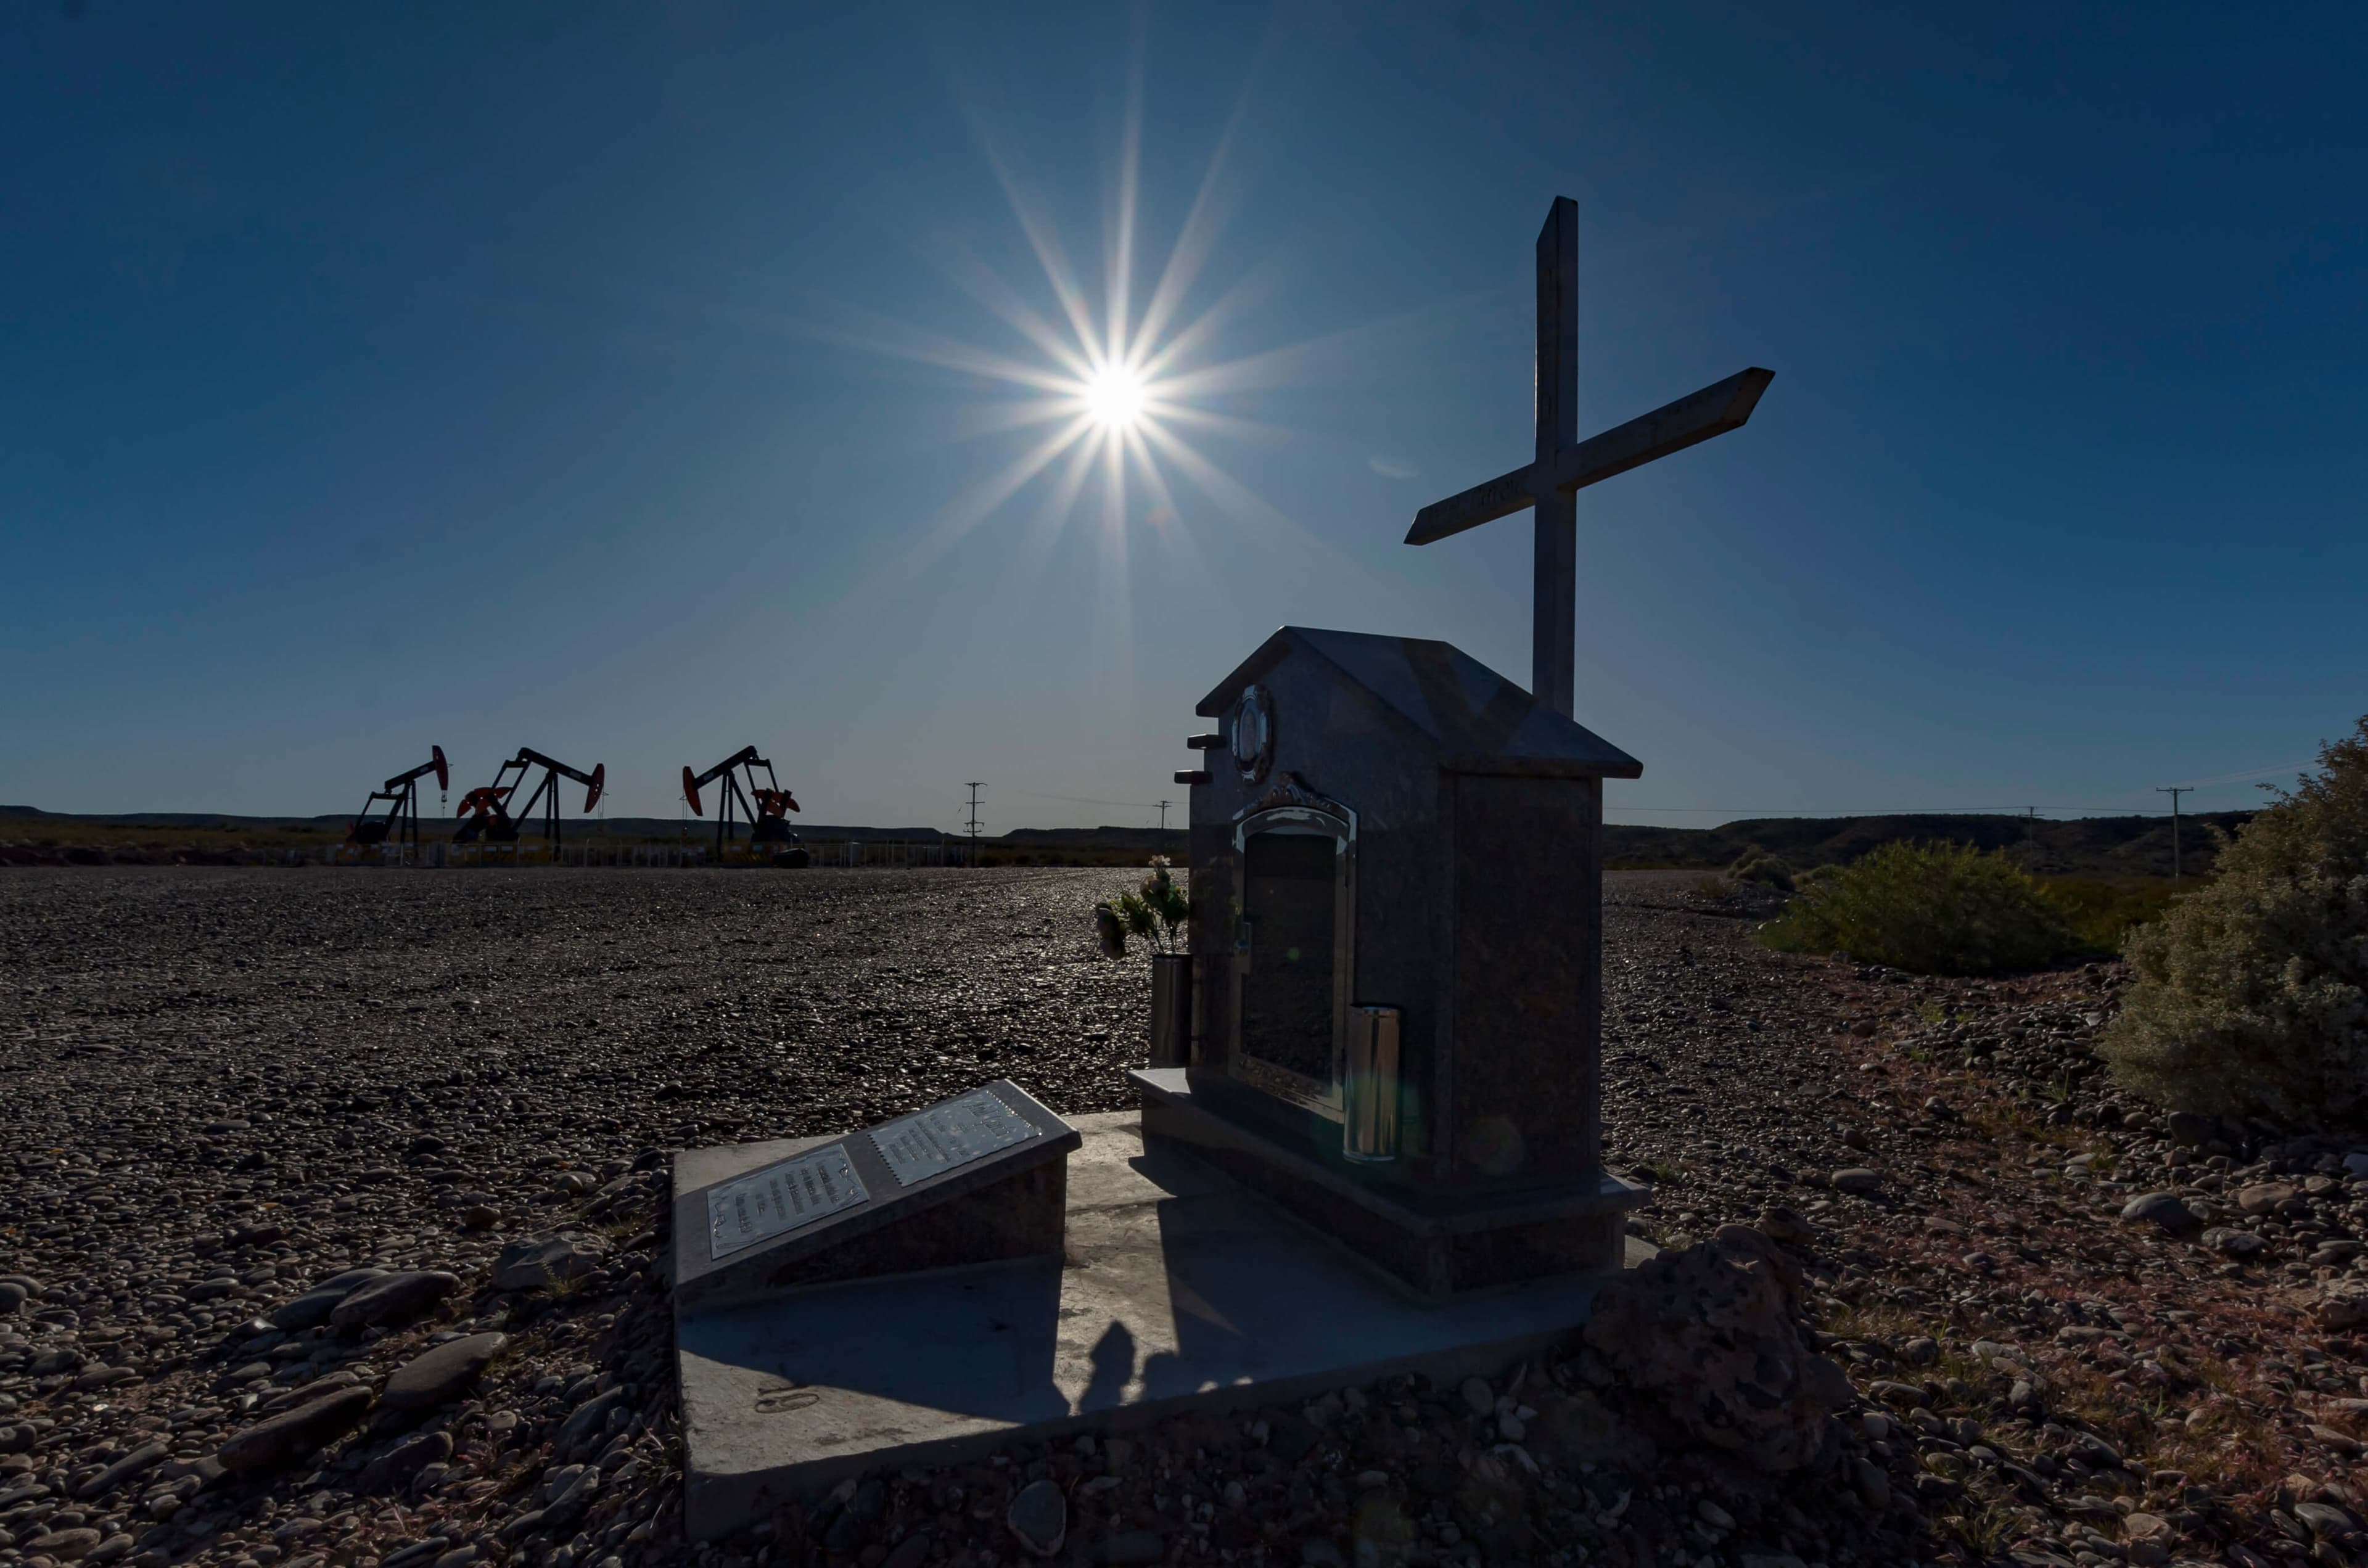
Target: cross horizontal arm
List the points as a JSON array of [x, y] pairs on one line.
[[1499, 498], [1714, 411], [1672, 428]]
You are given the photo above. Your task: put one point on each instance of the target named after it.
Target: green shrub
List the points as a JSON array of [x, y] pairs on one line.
[[1934, 908], [2252, 992], [1756, 865], [2102, 911]]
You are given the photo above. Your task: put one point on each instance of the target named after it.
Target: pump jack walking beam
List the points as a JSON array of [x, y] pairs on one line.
[[546, 792], [771, 798], [400, 794], [491, 801]]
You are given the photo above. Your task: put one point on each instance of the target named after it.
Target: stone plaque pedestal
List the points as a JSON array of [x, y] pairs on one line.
[[975, 1179], [1178, 1289]]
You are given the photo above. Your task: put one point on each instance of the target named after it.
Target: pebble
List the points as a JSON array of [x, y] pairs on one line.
[[1039, 1517], [538, 1262], [393, 1469]]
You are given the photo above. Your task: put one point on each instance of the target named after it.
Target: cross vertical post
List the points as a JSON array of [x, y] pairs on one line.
[[1553, 615], [1561, 464]]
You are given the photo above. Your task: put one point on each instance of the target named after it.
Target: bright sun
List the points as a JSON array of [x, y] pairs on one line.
[[1114, 397]]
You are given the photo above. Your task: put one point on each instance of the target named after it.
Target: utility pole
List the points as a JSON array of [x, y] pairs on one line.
[[1163, 828], [2175, 793], [974, 786]]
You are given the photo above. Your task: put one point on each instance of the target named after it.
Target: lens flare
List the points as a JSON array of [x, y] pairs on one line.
[[1114, 397]]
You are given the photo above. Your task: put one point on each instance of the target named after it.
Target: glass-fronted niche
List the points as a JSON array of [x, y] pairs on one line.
[[1294, 950]]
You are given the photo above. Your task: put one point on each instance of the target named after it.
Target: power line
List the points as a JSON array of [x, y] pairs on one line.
[[1883, 810], [1088, 799], [2256, 773], [974, 786]]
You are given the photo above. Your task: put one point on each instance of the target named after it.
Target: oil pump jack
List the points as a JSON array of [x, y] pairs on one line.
[[485, 812], [763, 805], [400, 794]]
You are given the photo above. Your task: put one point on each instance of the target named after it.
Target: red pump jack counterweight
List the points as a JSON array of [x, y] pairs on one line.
[[763, 806], [486, 810]]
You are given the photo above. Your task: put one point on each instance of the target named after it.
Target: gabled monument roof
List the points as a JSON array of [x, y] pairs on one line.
[[1475, 718]]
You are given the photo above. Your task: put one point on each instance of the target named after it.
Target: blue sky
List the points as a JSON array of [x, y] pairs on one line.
[[615, 381]]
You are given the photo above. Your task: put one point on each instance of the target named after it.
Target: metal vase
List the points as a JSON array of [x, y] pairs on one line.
[[1171, 1010], [1369, 1130]]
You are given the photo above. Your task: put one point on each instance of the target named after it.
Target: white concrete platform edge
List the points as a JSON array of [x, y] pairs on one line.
[[1178, 1290]]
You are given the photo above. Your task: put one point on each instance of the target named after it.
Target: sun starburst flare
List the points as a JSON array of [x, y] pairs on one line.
[[1114, 396], [1108, 397]]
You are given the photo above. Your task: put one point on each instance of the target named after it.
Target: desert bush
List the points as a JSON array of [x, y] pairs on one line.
[[1756, 865], [2102, 911], [1934, 908], [2252, 993]]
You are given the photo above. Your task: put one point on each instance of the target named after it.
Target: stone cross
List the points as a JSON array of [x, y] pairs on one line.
[[1563, 464]]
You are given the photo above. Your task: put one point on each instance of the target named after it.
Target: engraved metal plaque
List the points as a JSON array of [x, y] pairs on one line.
[[781, 1199], [952, 1134]]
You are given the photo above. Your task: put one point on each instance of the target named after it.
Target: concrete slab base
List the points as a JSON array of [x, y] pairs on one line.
[[1178, 1289]]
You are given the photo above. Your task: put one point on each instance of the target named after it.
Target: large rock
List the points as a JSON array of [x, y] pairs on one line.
[[428, 1381], [1709, 1331], [2166, 1209], [398, 1298], [312, 1308], [535, 1262], [587, 1423], [2343, 1305], [145, 1457], [2234, 1244], [282, 1440], [2263, 1196], [64, 1546]]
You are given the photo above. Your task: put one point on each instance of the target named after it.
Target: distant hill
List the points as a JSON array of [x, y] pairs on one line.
[[2079, 845], [2124, 847]]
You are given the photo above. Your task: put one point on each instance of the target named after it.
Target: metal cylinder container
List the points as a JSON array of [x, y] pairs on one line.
[[1368, 1131], [1171, 1010]]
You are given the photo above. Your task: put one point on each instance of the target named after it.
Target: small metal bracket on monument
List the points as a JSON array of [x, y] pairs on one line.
[[1193, 776], [1205, 743]]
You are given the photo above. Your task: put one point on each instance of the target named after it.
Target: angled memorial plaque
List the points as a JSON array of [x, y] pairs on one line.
[[974, 1179], [948, 1135], [781, 1199]]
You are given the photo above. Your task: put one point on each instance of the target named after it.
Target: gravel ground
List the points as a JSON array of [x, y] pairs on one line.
[[330, 1204]]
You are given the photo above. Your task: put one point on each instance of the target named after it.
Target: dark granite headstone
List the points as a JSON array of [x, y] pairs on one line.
[[974, 1179], [1387, 824]]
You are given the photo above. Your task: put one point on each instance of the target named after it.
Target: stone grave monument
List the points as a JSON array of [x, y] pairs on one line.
[[1397, 866]]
